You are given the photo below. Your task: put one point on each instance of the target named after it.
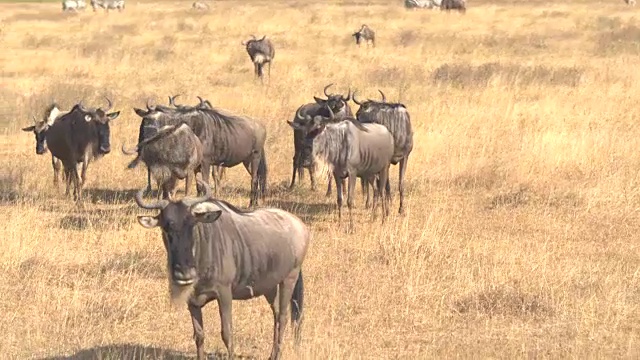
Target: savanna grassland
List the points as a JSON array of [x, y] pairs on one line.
[[521, 237]]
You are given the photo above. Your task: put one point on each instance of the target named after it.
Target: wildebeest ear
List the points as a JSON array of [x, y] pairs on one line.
[[140, 112], [113, 115], [294, 125], [30, 128], [206, 212], [148, 221], [319, 101]]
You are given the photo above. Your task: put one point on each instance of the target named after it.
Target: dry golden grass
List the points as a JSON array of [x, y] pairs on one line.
[[521, 238]]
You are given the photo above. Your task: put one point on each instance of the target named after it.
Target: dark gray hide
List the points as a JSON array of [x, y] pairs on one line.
[[395, 117], [78, 137], [351, 150], [365, 33], [261, 52], [448, 5], [227, 140], [217, 252], [302, 159], [174, 153]]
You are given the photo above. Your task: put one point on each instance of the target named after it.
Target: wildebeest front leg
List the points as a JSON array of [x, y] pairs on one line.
[[403, 168], [226, 324], [384, 181], [350, 190], [67, 173], [364, 183], [148, 181], [198, 329], [339, 194], [272, 297], [205, 167], [296, 167], [56, 170]]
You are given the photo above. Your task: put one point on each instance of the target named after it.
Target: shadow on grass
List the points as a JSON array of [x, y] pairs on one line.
[[109, 196], [131, 351]]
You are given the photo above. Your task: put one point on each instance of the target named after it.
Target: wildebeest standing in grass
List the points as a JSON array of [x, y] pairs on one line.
[[80, 136], [173, 153], [199, 5], [302, 159], [395, 117], [39, 129], [261, 52], [217, 252], [73, 5], [351, 150], [448, 5], [227, 140], [107, 4], [365, 33]]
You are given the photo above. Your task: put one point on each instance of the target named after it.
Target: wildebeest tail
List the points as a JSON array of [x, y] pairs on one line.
[[297, 302], [260, 65], [262, 173], [134, 162]]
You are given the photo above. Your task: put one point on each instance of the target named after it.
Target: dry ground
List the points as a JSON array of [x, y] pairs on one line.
[[521, 238]]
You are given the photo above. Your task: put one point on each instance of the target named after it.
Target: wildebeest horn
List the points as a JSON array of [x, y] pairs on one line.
[[348, 95], [331, 116], [199, 199], [325, 90], [154, 205], [172, 100], [384, 98], [354, 98], [299, 116], [263, 38], [202, 103], [129, 152], [109, 106], [149, 107]]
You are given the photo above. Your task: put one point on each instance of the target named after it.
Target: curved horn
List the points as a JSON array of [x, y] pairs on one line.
[[109, 105], [253, 37], [243, 43], [331, 116], [348, 95], [172, 100], [154, 205], [81, 106], [299, 116], [129, 152], [263, 38], [150, 108], [199, 199], [354, 98], [384, 98], [201, 101], [325, 90]]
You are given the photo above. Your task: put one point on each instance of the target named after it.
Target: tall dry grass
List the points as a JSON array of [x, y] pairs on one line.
[[521, 238]]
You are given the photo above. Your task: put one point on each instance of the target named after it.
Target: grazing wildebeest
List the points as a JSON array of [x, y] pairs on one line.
[[199, 5], [448, 5], [630, 2], [107, 4], [173, 153], [217, 252], [227, 140], [39, 129], [302, 159], [80, 136], [75, 5], [350, 150], [395, 117], [261, 52], [422, 4], [365, 33]]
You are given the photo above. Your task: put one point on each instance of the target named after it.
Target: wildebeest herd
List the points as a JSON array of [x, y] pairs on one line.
[[216, 251]]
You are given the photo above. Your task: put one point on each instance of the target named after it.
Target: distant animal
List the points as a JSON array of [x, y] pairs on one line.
[[173, 153], [107, 4], [351, 150], [199, 5], [39, 129], [448, 5], [149, 127], [80, 136], [630, 2], [73, 5], [217, 252], [261, 52], [227, 140], [422, 4], [395, 117], [365, 33], [302, 159]]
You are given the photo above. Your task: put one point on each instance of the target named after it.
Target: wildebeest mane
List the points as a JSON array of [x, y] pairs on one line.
[[233, 208], [357, 123]]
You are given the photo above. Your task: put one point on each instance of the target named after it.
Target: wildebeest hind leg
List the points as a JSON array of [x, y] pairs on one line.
[[224, 308], [350, 190], [284, 298], [272, 299], [401, 171], [312, 177], [339, 195], [364, 183], [198, 329]]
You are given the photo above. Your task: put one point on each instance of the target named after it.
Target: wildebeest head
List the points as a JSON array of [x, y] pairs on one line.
[[177, 220], [100, 119], [41, 126], [311, 126], [335, 102], [368, 104]]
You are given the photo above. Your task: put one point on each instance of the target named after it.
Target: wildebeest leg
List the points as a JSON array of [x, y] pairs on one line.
[[252, 167], [350, 190], [198, 329], [168, 187], [224, 308], [312, 177], [364, 183], [339, 194], [56, 170], [329, 187], [403, 168], [85, 165], [384, 181], [67, 173], [285, 292], [272, 297], [295, 170], [205, 167]]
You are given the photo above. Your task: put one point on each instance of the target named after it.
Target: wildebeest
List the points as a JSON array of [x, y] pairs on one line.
[[78, 137], [217, 252], [173, 153], [107, 4], [302, 159], [365, 33], [448, 5], [351, 150], [75, 5], [395, 117], [227, 140], [199, 5], [630, 2], [422, 4], [39, 129], [261, 52]]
